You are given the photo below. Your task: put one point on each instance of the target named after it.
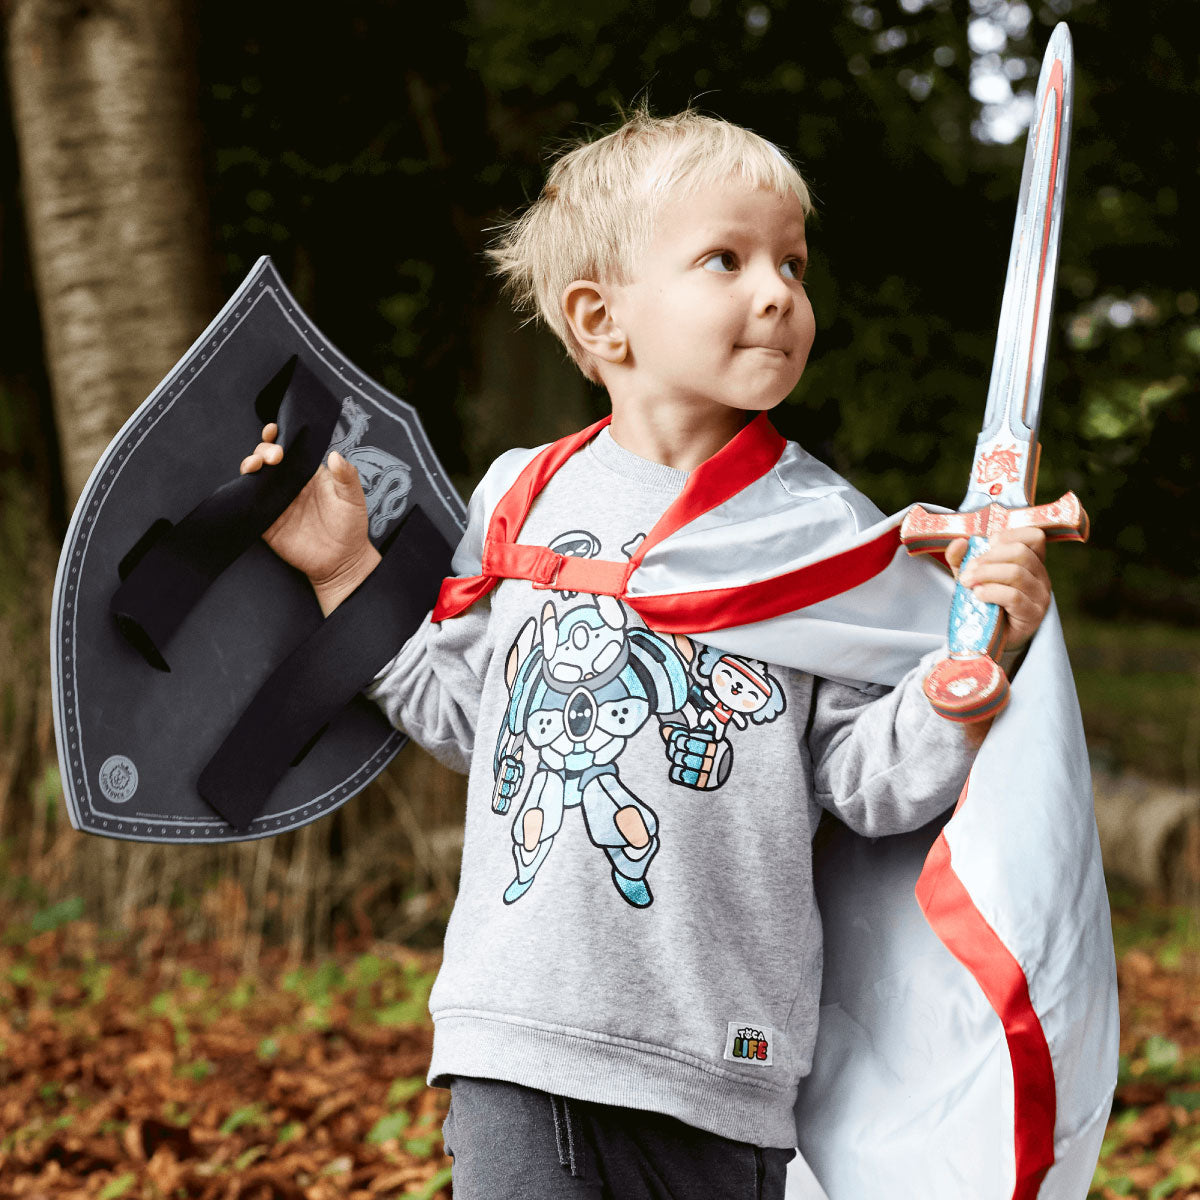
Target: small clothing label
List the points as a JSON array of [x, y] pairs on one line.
[[749, 1043]]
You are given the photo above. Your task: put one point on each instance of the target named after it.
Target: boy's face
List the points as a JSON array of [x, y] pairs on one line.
[[717, 312]]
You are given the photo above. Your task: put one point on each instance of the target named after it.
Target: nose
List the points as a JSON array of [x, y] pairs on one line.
[[773, 297]]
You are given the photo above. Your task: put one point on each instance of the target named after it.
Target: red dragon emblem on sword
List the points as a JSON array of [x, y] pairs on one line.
[[1003, 463]]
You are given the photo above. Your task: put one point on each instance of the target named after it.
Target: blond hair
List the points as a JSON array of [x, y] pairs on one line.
[[597, 211]]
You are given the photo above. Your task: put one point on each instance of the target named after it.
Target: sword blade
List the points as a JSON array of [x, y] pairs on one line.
[[1004, 470]]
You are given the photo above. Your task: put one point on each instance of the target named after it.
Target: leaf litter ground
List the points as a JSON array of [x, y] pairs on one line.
[[154, 1067], [1152, 1146], [148, 1066]]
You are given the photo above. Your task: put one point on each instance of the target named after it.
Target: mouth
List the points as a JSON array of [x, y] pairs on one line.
[[779, 350]]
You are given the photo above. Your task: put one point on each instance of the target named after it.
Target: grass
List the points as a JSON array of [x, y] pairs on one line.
[[1139, 691]]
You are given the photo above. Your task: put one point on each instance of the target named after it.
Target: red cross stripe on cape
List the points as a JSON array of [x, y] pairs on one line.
[[967, 1043]]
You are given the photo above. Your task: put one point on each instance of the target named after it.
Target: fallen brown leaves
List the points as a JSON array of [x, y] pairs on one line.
[[152, 1068], [1152, 1145], [175, 1074]]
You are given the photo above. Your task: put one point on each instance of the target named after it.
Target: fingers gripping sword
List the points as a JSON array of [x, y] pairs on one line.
[[969, 685]]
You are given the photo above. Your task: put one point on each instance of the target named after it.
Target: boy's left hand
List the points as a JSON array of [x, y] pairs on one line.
[[1011, 573]]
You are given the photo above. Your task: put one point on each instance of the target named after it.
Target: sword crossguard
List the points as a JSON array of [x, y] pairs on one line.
[[1063, 520], [969, 684]]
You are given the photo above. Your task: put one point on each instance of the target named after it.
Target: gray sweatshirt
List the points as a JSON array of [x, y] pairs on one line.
[[635, 923]]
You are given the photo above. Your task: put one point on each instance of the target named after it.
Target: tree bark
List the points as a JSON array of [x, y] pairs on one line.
[[104, 107]]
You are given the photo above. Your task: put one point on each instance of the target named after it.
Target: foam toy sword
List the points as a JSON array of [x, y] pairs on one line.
[[969, 684]]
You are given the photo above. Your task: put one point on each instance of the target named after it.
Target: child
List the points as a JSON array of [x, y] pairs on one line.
[[629, 991]]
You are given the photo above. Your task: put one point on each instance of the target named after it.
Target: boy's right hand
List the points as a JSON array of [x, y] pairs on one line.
[[323, 532]]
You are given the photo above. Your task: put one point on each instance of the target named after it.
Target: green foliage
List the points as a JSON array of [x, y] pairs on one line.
[[435, 1185], [175, 1114], [366, 970], [389, 1127], [404, 1090], [57, 915], [200, 1069], [118, 1187], [249, 1114], [166, 1005], [1189, 1100], [244, 1159], [268, 1048], [370, 149], [241, 995], [1139, 690], [1182, 1176], [1166, 933], [403, 1012], [1160, 1054], [94, 980], [289, 1132]]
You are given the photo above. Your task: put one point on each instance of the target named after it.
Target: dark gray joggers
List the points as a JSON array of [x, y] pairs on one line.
[[516, 1143]]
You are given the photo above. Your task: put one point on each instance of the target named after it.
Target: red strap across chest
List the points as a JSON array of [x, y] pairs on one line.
[[744, 459], [545, 569]]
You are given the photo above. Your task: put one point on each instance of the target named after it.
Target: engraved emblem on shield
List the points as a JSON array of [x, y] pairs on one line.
[[386, 479], [118, 778]]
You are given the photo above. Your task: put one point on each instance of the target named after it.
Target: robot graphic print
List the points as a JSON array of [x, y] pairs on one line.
[[581, 684]]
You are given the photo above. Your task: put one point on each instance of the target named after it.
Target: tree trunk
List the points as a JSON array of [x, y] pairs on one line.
[[104, 108]]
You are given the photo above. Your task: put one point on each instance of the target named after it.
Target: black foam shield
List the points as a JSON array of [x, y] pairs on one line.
[[133, 740]]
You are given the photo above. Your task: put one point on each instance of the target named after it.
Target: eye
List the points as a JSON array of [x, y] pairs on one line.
[[722, 262], [793, 268]]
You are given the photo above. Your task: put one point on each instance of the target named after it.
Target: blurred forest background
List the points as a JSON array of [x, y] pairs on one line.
[[151, 150]]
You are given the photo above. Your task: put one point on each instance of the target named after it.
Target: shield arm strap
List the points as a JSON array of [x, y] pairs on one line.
[[174, 563], [326, 671]]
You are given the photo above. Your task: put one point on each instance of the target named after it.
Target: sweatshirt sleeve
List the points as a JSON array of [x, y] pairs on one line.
[[884, 761], [431, 689]]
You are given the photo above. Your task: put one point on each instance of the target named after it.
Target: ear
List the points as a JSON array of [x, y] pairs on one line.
[[586, 307]]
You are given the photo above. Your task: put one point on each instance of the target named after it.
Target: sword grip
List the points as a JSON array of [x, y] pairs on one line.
[[968, 684]]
